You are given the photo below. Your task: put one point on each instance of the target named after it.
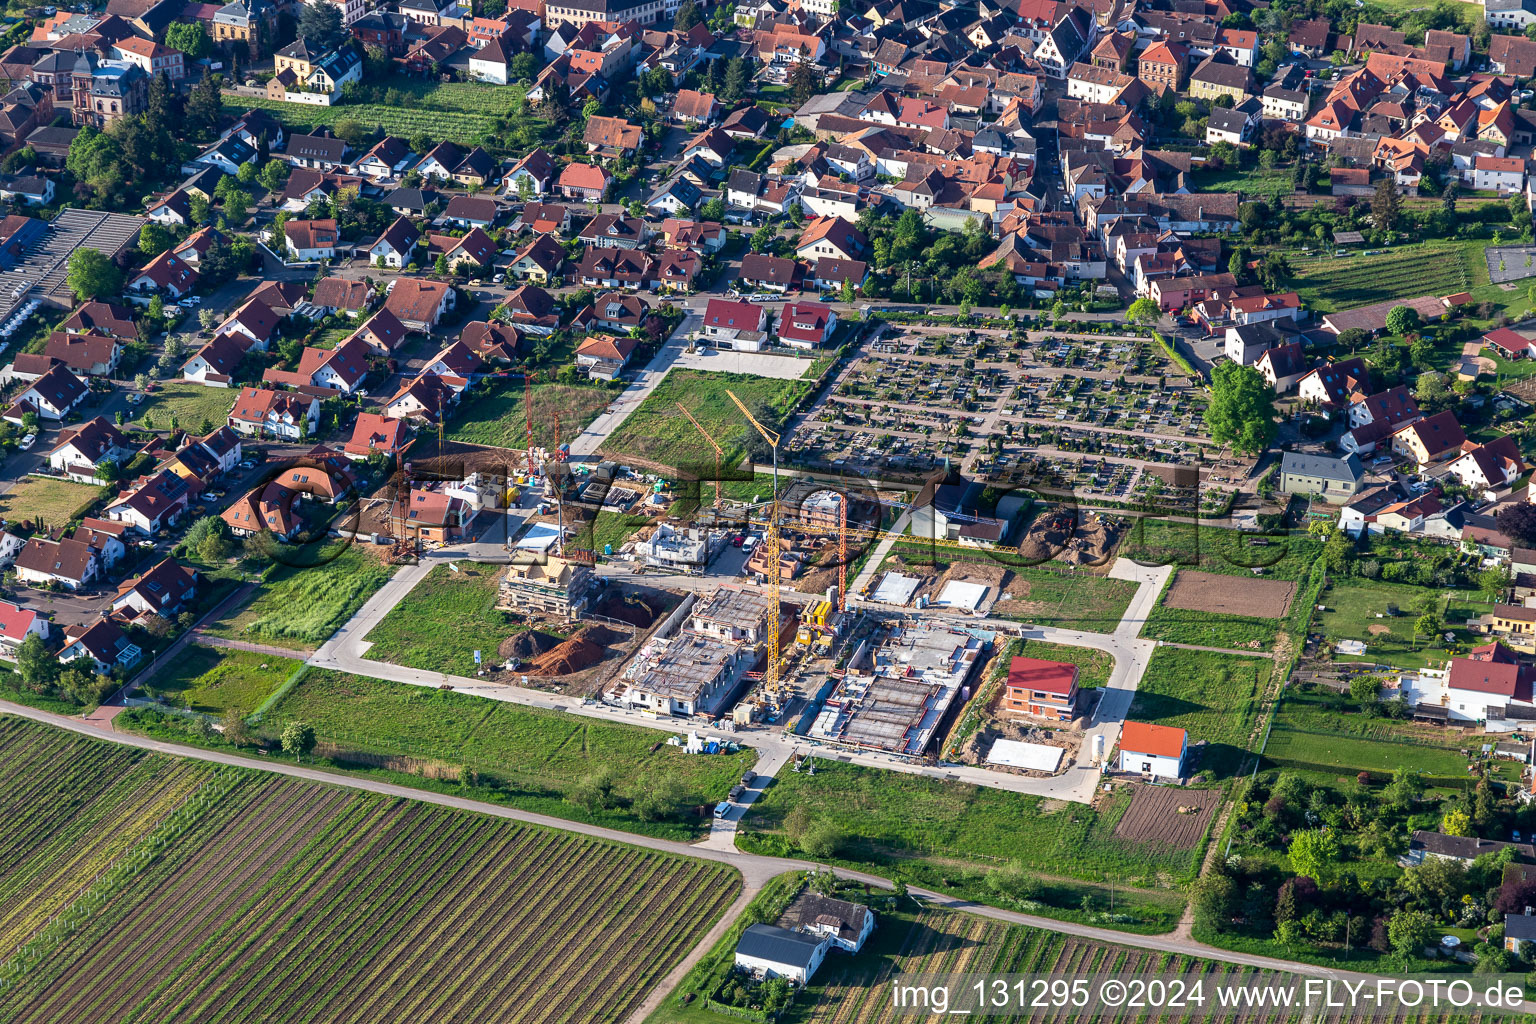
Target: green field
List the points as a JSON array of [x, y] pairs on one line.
[[1324, 732], [148, 888], [658, 433], [50, 502], [498, 417], [1212, 548], [949, 834], [192, 406], [1358, 609], [300, 608], [607, 529], [466, 128], [545, 761], [214, 680], [443, 620], [1276, 182], [1213, 696], [1404, 272]]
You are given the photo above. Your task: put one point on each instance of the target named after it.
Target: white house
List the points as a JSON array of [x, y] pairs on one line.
[[1155, 750], [266, 413], [768, 951], [1489, 467], [847, 924], [16, 624]]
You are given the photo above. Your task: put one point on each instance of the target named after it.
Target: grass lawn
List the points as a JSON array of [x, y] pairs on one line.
[[498, 417], [215, 680], [1351, 613], [465, 127], [49, 501], [443, 621], [300, 608], [1212, 548], [659, 433], [948, 834], [1251, 182], [524, 756], [191, 406], [1322, 732], [1213, 696]]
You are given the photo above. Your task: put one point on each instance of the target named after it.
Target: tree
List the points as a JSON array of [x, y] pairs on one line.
[[686, 17], [1338, 552], [217, 544], [321, 22], [1314, 852], [1242, 409], [163, 110], [1143, 311], [1518, 521], [1352, 338], [273, 174], [1456, 823], [1410, 931], [38, 667], [205, 105], [735, 86], [1402, 319], [1426, 625], [234, 729], [237, 203], [714, 210], [1491, 582], [189, 37], [1365, 690], [1216, 900], [804, 82], [91, 275], [154, 239], [298, 739], [1386, 204]]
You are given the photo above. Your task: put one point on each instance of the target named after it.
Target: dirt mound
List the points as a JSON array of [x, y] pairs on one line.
[[1066, 537], [574, 655], [528, 644], [635, 611]]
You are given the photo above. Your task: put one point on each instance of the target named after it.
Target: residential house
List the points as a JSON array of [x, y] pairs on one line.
[[1156, 751], [1331, 479], [262, 412], [1037, 688]]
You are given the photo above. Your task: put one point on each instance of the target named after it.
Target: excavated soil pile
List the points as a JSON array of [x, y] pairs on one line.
[[581, 651], [1062, 537], [528, 644]]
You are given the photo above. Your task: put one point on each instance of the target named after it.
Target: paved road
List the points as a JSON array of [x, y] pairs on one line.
[[756, 869]]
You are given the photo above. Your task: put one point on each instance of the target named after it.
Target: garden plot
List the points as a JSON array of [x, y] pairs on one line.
[[1197, 591], [1161, 814]]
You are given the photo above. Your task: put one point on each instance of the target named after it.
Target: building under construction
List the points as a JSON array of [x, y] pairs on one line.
[[901, 687], [691, 674]]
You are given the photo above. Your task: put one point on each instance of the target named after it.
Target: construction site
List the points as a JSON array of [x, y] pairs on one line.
[[901, 685]]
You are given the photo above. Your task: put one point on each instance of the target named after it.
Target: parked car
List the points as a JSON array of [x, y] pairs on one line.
[[28, 441]]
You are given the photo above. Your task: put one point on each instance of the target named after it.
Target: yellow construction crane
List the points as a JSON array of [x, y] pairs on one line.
[[712, 444], [771, 542]]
